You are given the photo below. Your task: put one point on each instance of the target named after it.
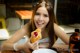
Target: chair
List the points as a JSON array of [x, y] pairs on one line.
[[2, 23], [2, 15], [13, 24]]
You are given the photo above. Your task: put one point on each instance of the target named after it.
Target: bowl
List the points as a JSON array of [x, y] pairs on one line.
[[44, 51]]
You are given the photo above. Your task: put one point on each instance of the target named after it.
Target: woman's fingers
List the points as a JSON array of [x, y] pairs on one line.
[[27, 47], [32, 46], [27, 50], [35, 45]]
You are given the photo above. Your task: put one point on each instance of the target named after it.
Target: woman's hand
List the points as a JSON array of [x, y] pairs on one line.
[[28, 46]]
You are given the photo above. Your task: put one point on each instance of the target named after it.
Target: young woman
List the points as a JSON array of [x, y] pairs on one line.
[[43, 18]]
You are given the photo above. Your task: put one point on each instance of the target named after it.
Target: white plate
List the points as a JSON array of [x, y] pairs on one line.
[[44, 51]]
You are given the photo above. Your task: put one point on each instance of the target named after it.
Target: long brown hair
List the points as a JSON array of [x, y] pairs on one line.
[[50, 25]]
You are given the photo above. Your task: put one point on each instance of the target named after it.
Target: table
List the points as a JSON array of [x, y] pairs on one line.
[[4, 35], [12, 51], [24, 14]]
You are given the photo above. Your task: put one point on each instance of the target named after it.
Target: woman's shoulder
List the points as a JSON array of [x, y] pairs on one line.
[[26, 25], [26, 28], [55, 24], [56, 27]]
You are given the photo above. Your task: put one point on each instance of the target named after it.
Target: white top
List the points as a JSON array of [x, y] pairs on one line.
[[44, 43]]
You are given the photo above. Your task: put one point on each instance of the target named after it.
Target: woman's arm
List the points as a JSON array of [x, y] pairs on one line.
[[8, 44], [61, 47], [27, 47], [61, 34]]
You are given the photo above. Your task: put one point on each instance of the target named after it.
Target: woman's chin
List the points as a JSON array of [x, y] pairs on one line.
[[38, 27], [41, 27]]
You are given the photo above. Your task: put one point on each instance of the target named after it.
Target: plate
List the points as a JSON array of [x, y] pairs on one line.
[[44, 51]]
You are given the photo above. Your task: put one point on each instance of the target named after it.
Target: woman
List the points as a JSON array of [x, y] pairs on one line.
[[43, 18]]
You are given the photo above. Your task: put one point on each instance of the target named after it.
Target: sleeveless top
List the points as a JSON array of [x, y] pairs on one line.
[[44, 43]]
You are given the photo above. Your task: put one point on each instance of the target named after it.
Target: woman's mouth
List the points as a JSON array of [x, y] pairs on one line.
[[39, 23]]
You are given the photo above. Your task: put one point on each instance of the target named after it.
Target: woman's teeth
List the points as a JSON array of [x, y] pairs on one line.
[[40, 23]]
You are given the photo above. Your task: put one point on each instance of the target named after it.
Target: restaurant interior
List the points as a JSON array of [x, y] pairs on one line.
[[67, 13]]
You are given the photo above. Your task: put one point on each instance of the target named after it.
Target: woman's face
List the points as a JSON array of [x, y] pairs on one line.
[[41, 18]]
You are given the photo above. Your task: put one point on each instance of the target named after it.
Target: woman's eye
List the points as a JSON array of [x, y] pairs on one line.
[[45, 15], [37, 14]]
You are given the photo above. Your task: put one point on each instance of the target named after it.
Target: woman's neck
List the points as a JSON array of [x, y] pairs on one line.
[[44, 33]]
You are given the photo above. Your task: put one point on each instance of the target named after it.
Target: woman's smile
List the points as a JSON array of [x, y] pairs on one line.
[[40, 23]]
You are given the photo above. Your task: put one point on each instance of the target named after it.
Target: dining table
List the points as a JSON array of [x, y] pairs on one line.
[[12, 51], [24, 15]]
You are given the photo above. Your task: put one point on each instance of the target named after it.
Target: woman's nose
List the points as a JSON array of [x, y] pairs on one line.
[[41, 18]]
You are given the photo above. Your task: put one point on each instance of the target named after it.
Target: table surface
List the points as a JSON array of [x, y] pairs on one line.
[[24, 14], [12, 51]]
